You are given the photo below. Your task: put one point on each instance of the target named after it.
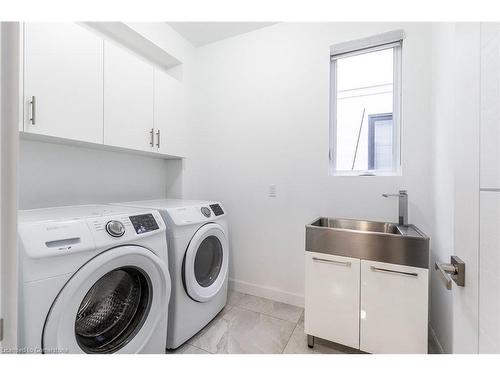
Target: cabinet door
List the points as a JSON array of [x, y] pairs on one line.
[[332, 298], [128, 99], [169, 114], [394, 311], [63, 71]]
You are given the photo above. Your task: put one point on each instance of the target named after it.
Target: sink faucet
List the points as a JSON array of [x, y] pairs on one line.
[[403, 206]]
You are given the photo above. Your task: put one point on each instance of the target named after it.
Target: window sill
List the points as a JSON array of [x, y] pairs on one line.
[[365, 174]]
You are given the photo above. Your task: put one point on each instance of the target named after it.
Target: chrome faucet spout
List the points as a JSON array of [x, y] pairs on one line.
[[403, 206]]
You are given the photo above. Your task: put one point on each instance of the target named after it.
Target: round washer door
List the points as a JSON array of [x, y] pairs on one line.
[[206, 262], [112, 304]]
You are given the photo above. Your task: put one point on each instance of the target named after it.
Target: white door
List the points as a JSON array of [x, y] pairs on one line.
[[169, 114], [489, 260], [128, 99], [206, 263], [394, 308], [466, 200], [63, 78], [332, 298], [113, 304]]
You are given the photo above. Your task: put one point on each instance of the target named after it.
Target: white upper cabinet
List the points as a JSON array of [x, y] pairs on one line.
[[128, 100], [394, 314], [490, 110], [63, 73], [169, 114]]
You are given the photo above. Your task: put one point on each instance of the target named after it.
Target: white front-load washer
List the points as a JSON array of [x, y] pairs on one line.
[[198, 248], [93, 279]]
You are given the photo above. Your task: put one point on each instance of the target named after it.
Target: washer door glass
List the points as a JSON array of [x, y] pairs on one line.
[[113, 311], [208, 261]]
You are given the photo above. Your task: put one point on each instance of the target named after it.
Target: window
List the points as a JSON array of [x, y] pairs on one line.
[[365, 106]]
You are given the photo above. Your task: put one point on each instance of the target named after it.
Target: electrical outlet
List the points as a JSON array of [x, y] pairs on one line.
[[272, 191]]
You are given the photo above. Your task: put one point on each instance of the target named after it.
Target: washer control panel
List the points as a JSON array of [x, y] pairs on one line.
[[144, 223], [115, 228], [217, 209]]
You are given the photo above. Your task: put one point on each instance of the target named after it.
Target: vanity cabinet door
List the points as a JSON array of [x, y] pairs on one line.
[[332, 298], [63, 81], [394, 302]]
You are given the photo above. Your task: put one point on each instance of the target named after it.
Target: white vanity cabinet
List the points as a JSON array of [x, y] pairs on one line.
[[128, 100], [375, 307], [394, 308], [332, 298], [169, 114], [63, 78]]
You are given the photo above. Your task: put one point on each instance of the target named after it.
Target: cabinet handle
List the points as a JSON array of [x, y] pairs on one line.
[[158, 138], [347, 264], [152, 139], [33, 110], [377, 269]]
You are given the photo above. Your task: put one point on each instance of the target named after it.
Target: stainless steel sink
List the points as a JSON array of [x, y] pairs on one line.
[[370, 240]]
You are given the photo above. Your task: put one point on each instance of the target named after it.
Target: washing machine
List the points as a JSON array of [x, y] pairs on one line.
[[93, 279], [198, 250]]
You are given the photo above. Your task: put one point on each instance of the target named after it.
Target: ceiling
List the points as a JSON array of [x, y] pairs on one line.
[[201, 33]]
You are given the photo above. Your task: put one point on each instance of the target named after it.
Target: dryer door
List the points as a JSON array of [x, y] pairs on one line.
[[113, 303], [206, 263]]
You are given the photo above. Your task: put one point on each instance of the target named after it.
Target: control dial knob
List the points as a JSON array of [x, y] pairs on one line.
[[115, 228], [206, 211]]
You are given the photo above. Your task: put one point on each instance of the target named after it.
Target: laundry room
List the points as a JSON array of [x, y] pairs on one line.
[[284, 186]]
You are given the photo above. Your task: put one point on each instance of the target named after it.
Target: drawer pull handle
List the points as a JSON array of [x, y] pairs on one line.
[[377, 269], [347, 264]]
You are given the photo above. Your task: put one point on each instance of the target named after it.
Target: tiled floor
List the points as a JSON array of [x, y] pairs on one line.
[[254, 325]]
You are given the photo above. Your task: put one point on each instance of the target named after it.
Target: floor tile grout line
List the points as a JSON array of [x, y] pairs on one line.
[[266, 314], [197, 347], [206, 351], [290, 337]]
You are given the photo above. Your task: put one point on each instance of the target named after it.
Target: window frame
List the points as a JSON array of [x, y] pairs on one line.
[[397, 46]]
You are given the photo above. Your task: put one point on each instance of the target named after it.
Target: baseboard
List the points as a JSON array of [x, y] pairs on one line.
[[435, 339], [266, 292]]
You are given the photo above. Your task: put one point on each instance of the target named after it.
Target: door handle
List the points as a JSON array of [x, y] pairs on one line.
[[454, 271], [152, 138], [33, 110], [347, 264], [158, 138]]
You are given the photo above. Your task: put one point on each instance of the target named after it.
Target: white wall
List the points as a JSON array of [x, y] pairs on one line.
[[57, 175], [260, 104], [443, 107], [9, 94]]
